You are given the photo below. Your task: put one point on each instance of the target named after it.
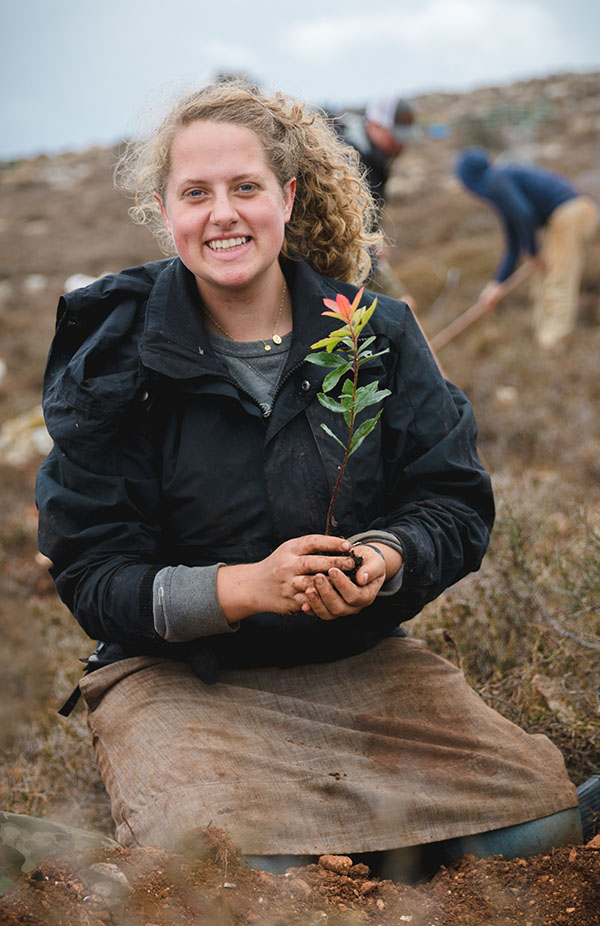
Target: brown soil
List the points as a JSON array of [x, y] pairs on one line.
[[204, 885], [351, 573]]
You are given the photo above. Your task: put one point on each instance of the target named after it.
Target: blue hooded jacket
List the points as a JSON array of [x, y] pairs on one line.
[[524, 197]]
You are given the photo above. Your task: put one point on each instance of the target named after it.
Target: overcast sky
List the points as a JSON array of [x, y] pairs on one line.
[[81, 72]]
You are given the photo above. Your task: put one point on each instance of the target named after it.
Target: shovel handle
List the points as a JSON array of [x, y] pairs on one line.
[[477, 309]]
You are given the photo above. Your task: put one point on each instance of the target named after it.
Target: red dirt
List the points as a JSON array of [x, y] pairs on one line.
[[206, 886]]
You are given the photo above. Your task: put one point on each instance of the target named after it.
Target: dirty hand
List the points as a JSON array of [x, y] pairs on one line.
[[272, 584], [537, 263], [491, 294], [334, 594]]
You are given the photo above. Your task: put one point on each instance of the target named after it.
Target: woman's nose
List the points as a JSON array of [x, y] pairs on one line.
[[223, 209]]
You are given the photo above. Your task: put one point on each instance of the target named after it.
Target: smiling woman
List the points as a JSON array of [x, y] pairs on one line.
[[241, 678]]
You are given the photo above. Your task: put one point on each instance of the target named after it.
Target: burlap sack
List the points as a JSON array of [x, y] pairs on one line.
[[386, 749]]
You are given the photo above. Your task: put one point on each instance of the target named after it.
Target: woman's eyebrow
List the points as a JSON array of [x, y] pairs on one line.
[[247, 175]]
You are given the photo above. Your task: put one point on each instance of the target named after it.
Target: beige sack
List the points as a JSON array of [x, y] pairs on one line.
[[386, 749]]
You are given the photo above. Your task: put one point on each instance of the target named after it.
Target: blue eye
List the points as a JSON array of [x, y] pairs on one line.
[[246, 187]]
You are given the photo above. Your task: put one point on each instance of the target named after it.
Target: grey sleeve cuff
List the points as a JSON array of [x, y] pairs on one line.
[[394, 583], [185, 603]]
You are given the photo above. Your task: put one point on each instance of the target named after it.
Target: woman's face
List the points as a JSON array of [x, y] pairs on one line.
[[225, 207]]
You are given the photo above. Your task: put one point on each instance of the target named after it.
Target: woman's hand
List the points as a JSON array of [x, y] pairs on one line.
[[277, 583], [335, 595]]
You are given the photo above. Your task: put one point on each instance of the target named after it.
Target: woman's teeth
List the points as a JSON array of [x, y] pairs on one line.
[[225, 244]]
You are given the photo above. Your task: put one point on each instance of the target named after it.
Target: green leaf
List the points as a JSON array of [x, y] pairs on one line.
[[363, 316], [328, 343], [365, 344], [348, 386], [367, 389], [331, 404], [370, 397], [333, 339], [347, 342], [335, 437], [370, 356], [363, 431], [323, 359], [333, 378]]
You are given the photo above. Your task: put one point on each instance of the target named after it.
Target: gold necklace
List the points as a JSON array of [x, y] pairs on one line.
[[275, 338]]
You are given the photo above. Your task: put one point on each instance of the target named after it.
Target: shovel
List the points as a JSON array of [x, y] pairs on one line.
[[477, 310]]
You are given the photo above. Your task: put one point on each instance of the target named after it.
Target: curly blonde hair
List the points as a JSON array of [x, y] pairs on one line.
[[334, 223]]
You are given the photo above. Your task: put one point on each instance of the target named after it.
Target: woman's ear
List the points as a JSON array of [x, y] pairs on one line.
[[163, 211], [289, 194]]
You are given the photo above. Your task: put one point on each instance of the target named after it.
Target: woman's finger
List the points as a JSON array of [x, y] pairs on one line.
[[311, 564]]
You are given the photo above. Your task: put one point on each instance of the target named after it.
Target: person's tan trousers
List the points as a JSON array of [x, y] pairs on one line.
[[556, 292]]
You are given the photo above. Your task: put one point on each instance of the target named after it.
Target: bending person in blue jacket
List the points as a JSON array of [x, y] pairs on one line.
[[242, 678], [527, 199]]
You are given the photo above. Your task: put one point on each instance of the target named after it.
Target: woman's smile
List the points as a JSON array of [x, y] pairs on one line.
[[227, 244]]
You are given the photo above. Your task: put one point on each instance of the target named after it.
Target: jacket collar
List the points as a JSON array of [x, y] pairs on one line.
[[175, 339], [176, 344]]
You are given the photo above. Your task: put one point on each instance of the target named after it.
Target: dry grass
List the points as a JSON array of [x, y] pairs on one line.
[[526, 628]]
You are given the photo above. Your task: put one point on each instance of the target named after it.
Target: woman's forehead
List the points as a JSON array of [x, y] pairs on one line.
[[215, 146], [216, 139]]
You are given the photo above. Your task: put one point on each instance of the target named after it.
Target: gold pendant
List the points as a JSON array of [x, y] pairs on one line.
[[276, 339], [267, 347]]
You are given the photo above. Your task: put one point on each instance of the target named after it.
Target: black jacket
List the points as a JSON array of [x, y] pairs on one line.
[[160, 459]]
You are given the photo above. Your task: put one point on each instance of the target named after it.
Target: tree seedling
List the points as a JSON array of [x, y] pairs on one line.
[[345, 356]]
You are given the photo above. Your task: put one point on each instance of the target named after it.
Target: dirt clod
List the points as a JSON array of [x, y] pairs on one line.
[[341, 864]]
